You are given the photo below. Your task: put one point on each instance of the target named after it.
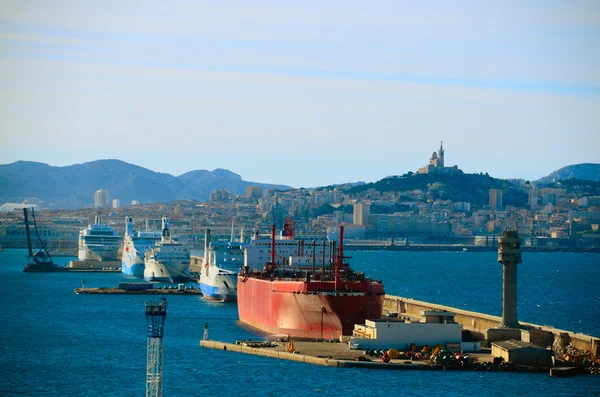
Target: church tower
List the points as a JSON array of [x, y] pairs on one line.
[[441, 155]]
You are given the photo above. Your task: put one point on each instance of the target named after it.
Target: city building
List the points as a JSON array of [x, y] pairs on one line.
[[361, 214], [135, 202], [101, 198], [495, 199], [116, 203], [220, 195], [253, 191]]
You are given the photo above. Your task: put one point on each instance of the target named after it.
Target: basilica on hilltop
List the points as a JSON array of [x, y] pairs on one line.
[[436, 163]]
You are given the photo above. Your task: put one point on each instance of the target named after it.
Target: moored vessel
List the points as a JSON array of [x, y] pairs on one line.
[[135, 245], [290, 297], [167, 260], [98, 242], [220, 268]]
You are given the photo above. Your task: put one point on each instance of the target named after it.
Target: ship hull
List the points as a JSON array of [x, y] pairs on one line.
[[297, 309], [131, 267], [175, 271], [218, 285], [98, 252]]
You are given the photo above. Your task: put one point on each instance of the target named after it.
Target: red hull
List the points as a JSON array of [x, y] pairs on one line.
[[307, 309]]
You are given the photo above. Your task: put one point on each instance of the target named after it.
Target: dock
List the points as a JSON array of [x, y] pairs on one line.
[[66, 269], [95, 265], [331, 355], [151, 291]]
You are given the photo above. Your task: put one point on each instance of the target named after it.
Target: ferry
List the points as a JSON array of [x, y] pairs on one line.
[[98, 242], [135, 245], [220, 267], [168, 261]]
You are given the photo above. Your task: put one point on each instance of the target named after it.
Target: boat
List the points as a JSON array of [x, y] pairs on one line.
[[220, 268], [289, 297], [135, 245], [98, 242], [41, 261], [168, 260]]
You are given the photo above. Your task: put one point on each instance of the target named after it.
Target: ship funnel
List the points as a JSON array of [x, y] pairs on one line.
[[207, 240], [166, 232], [128, 226]]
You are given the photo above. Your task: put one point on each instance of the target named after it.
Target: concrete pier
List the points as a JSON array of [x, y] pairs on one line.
[[325, 354], [97, 265], [153, 291]]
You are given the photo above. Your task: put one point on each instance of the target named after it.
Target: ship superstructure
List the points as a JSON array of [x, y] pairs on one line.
[[298, 298], [168, 260], [98, 242], [135, 245]]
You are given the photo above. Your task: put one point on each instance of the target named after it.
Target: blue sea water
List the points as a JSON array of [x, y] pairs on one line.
[[57, 343]]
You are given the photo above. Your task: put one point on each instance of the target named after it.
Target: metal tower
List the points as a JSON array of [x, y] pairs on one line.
[[509, 254], [155, 318]]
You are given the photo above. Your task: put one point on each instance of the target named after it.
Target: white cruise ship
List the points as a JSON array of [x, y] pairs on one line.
[[98, 242], [168, 260], [220, 268], [135, 245]]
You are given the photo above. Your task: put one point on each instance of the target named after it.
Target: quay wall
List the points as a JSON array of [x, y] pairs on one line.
[[479, 323], [271, 353]]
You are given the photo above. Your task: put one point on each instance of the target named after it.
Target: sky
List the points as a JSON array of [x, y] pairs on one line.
[[302, 93]]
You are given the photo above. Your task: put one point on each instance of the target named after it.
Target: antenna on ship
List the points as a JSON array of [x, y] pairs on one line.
[[156, 314]]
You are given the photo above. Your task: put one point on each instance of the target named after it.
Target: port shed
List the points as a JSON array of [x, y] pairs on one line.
[[519, 352]]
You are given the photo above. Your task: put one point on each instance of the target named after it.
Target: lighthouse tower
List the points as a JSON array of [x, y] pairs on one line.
[[509, 254]]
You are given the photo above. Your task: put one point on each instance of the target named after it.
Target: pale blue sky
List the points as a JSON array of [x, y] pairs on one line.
[[302, 93]]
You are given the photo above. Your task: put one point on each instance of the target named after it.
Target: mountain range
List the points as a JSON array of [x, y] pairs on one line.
[[74, 186]]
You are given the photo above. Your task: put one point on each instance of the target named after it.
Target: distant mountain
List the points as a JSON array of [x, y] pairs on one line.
[[74, 186], [203, 182], [584, 171]]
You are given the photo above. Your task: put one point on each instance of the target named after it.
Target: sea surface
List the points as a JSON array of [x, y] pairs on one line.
[[57, 343]]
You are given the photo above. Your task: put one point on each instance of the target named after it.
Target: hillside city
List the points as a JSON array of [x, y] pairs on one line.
[[563, 215]]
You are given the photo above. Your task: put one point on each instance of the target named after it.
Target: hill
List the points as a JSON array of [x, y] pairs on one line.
[[74, 186], [472, 188], [584, 171]]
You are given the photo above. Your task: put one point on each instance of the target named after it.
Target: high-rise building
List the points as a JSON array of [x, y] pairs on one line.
[[253, 191], [495, 199], [533, 198], [116, 203], [135, 202], [220, 195], [101, 198], [361, 214]]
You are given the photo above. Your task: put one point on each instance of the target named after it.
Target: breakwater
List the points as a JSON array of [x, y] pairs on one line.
[[479, 323]]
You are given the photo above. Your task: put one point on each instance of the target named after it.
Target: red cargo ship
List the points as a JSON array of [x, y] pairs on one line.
[[305, 302]]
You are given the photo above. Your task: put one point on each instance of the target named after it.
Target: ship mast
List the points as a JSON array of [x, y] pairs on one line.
[[338, 260], [273, 244]]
